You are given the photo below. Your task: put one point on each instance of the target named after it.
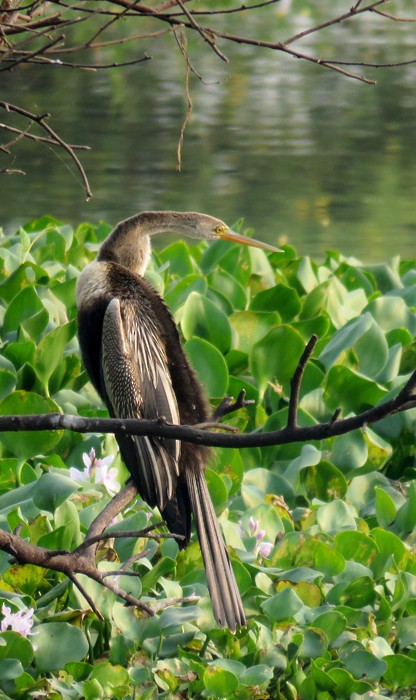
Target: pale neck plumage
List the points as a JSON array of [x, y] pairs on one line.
[[129, 243]]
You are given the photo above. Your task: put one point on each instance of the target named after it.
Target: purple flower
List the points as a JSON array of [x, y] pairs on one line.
[[264, 549], [20, 621], [97, 472]]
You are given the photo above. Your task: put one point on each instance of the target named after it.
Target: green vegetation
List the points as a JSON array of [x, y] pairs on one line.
[[321, 535]]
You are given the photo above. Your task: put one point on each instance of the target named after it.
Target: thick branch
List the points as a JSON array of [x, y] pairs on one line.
[[404, 401]]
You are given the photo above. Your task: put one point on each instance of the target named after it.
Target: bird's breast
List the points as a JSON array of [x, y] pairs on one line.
[[92, 283]]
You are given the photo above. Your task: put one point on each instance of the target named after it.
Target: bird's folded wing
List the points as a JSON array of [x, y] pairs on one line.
[[138, 385]]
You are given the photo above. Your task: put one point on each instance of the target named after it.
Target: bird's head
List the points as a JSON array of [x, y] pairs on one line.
[[207, 227]]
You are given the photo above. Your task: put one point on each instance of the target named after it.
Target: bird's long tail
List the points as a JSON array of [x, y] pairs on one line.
[[226, 601]]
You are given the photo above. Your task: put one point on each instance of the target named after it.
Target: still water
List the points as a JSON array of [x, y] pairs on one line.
[[301, 153]]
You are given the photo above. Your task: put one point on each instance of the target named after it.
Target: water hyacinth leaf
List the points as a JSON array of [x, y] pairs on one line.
[[57, 643], [8, 378], [29, 444], [314, 643], [372, 351], [335, 516], [362, 664], [328, 560], [345, 338], [178, 257], [50, 349], [177, 294], [401, 671], [392, 551], [333, 623], [283, 605], [276, 356], [349, 451], [280, 298], [210, 366], [220, 683], [27, 274], [250, 327], [323, 481], [258, 675], [230, 287], [10, 669], [356, 546], [202, 319], [385, 508], [391, 312], [26, 311], [359, 593], [351, 390], [51, 490], [16, 647], [217, 489]]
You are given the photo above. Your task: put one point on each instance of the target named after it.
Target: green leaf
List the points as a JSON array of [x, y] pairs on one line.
[[230, 287], [51, 490], [57, 643], [17, 647], [323, 481], [26, 311], [352, 391], [276, 356], [332, 623], [178, 293], [335, 516], [178, 256], [345, 338], [202, 319], [280, 298], [356, 546], [220, 683], [251, 327], [282, 605], [385, 508], [27, 444], [50, 350], [210, 366], [401, 671]]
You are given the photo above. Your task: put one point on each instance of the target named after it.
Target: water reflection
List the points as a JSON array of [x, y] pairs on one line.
[[299, 152]]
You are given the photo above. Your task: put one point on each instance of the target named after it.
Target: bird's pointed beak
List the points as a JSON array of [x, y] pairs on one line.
[[228, 235]]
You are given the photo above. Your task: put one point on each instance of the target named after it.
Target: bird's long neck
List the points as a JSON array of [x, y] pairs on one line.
[[129, 243]]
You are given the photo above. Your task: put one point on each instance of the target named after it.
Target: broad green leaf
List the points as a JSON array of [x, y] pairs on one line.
[[57, 643], [220, 683], [280, 298], [356, 546], [16, 647], [385, 508], [328, 560], [362, 664], [345, 338], [275, 357], [323, 481], [209, 365], [335, 516], [27, 444], [27, 311], [178, 256], [352, 391], [401, 671], [202, 319], [177, 294], [251, 327], [26, 275], [225, 283], [49, 352], [391, 312], [332, 623], [282, 605]]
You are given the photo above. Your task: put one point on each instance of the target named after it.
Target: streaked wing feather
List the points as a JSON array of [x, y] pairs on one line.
[[137, 384]]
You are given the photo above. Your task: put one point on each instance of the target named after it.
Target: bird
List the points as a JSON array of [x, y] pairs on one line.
[[132, 352]]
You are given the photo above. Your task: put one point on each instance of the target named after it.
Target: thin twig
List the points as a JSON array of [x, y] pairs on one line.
[[296, 381]]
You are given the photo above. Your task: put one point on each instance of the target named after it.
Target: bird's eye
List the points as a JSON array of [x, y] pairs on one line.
[[219, 229]]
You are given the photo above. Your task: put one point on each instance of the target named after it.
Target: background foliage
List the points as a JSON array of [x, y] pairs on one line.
[[332, 607]]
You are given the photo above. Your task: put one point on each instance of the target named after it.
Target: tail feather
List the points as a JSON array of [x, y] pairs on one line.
[[226, 601]]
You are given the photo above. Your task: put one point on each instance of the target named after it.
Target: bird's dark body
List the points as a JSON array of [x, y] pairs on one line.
[[126, 286], [133, 355]]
